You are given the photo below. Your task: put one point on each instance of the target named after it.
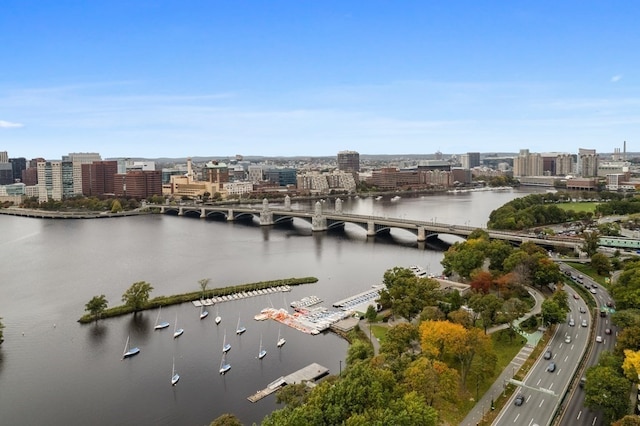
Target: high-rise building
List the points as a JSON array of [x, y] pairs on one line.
[[349, 161], [564, 164], [587, 162], [55, 180], [138, 184], [527, 164], [78, 159], [470, 160], [18, 165], [97, 177], [4, 157]]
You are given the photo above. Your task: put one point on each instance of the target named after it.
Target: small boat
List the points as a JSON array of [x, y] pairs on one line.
[[218, 317], [225, 346], [396, 198], [262, 352], [174, 376], [224, 366], [281, 340], [240, 329], [177, 332], [160, 325], [129, 352], [379, 197], [203, 313]]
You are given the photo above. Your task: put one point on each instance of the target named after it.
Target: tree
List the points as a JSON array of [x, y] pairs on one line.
[[116, 207], [481, 282], [371, 314], [631, 365], [226, 420], [628, 420], [137, 296], [203, 285], [1, 334], [406, 294], [552, 313], [512, 310], [399, 339], [606, 390], [433, 380], [486, 307], [591, 242], [601, 264], [96, 306]]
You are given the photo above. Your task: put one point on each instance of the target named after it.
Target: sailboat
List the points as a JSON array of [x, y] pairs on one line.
[[129, 352], [203, 313], [174, 376], [160, 325], [177, 332], [281, 340], [262, 352], [224, 366], [218, 318], [225, 346], [240, 329]]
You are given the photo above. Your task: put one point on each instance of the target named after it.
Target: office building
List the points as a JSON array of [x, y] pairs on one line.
[[349, 161], [77, 159], [98, 177], [138, 184], [527, 164]]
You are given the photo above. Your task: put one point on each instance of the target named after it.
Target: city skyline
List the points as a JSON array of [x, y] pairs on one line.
[[289, 79]]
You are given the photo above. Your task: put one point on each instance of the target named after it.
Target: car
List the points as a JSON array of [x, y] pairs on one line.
[[567, 339], [571, 322], [583, 310], [610, 304], [575, 296], [607, 331], [551, 367], [599, 339], [519, 400], [548, 354], [584, 323], [593, 290]]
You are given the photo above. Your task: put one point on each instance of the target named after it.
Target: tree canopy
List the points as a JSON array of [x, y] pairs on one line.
[[96, 306], [137, 295]]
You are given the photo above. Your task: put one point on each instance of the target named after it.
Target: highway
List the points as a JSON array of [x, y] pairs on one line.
[[576, 413], [543, 389]]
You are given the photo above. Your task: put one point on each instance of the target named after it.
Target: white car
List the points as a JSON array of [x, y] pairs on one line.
[[599, 339], [567, 339], [593, 290]]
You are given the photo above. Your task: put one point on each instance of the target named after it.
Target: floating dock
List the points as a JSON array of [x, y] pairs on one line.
[[241, 295], [360, 301], [311, 372]]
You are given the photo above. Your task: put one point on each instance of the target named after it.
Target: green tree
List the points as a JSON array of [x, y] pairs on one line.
[[226, 420], [371, 314], [137, 296], [552, 313], [601, 264], [204, 282], [486, 307], [116, 207], [399, 339], [96, 306], [628, 420], [591, 242], [608, 391], [359, 351], [512, 310], [406, 294]]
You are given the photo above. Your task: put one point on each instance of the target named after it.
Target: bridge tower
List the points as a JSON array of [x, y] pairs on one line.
[[266, 215], [318, 221], [338, 205]]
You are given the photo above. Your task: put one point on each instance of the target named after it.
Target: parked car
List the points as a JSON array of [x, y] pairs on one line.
[[519, 399], [548, 354], [551, 367]]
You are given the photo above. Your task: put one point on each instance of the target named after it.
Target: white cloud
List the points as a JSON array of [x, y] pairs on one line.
[[8, 124], [616, 78]]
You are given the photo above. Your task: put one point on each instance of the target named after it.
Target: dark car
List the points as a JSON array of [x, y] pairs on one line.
[[607, 331], [610, 304], [548, 354], [551, 367], [519, 400]]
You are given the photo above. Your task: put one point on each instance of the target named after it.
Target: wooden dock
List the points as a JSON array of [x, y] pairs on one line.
[[311, 372]]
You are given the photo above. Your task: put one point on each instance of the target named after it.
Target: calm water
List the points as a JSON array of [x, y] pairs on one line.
[[56, 371]]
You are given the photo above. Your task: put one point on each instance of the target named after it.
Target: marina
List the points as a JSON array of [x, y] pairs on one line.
[[237, 296], [310, 373], [306, 302], [361, 301]]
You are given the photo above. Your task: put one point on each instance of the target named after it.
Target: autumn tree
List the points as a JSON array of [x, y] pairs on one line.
[[226, 420], [137, 296], [631, 365], [481, 282], [628, 420], [433, 380]]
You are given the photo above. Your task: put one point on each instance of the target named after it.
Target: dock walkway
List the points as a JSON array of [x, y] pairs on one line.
[[311, 372]]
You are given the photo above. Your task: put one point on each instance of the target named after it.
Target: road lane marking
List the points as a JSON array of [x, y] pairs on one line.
[[594, 421], [579, 414], [541, 402], [528, 398], [539, 380], [566, 358], [516, 419], [559, 370], [550, 386]]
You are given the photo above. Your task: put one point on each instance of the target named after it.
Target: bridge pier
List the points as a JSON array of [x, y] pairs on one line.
[[422, 234], [371, 229], [180, 212], [338, 206], [266, 215], [230, 216], [318, 221], [202, 213], [287, 203]]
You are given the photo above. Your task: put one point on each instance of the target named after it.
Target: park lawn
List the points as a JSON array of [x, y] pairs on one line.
[[587, 207], [379, 331]]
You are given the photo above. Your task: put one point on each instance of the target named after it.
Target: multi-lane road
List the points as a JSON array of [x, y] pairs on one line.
[[543, 389]]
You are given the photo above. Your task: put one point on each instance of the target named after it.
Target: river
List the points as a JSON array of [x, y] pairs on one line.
[[55, 371]]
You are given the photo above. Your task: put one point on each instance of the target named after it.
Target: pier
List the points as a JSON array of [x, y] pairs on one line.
[[310, 373], [241, 295]]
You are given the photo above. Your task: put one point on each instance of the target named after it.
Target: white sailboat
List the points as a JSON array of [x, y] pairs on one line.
[[218, 318], [225, 346], [129, 352], [262, 352], [240, 329], [160, 325], [174, 376], [224, 366], [177, 332], [203, 312], [281, 340]]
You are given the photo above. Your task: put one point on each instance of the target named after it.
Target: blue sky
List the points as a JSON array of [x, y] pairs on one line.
[[180, 78]]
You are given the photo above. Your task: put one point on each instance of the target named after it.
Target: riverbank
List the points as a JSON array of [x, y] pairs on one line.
[[46, 214], [197, 295]]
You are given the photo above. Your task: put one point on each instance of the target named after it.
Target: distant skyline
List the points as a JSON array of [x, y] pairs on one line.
[[203, 78]]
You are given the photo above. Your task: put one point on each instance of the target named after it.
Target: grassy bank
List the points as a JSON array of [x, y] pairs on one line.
[[197, 295]]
